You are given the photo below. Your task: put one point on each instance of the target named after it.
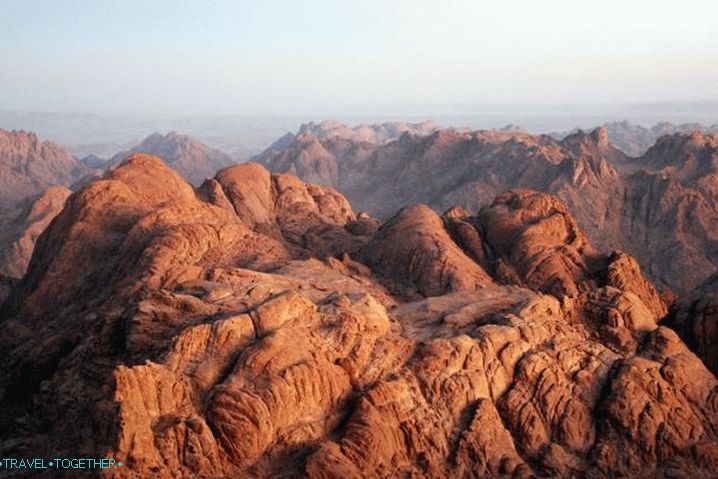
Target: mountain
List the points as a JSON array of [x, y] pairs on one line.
[[28, 166], [661, 207], [635, 139], [443, 168], [258, 327], [191, 158], [34, 175]]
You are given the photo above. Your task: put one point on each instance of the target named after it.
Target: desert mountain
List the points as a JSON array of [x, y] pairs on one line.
[[191, 158], [660, 207], [258, 327], [635, 139], [695, 317], [34, 175], [29, 166]]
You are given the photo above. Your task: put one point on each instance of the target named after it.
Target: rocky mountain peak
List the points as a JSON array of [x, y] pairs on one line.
[[28, 166], [194, 160], [593, 141], [600, 136]]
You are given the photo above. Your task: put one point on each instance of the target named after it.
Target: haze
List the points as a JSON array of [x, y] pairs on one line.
[[274, 58]]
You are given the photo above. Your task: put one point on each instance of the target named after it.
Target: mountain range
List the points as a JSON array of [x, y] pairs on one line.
[[28, 166], [635, 139], [257, 326], [661, 207]]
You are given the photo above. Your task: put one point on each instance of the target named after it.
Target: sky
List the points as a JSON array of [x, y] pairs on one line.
[[285, 57]]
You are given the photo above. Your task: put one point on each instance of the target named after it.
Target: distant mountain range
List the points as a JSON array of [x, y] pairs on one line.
[[661, 207], [28, 166], [635, 140], [242, 136], [374, 133]]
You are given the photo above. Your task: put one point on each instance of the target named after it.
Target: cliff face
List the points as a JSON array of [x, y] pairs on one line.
[[661, 207], [258, 327], [695, 317]]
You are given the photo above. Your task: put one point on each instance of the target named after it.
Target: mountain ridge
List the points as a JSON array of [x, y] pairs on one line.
[[604, 188]]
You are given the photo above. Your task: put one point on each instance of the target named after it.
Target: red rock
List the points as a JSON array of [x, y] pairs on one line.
[[413, 250], [28, 166]]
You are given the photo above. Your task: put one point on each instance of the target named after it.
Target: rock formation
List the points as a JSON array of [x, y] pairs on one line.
[[661, 207], [376, 133], [257, 327]]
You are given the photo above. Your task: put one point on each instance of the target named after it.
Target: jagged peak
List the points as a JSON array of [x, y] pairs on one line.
[[600, 136], [596, 138], [682, 143]]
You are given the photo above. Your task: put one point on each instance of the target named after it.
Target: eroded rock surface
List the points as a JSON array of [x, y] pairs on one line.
[[257, 327], [34, 176]]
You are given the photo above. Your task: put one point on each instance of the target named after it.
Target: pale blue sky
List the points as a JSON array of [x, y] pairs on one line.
[[279, 57]]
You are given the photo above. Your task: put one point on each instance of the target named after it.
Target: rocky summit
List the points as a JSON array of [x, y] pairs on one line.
[[256, 326]]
